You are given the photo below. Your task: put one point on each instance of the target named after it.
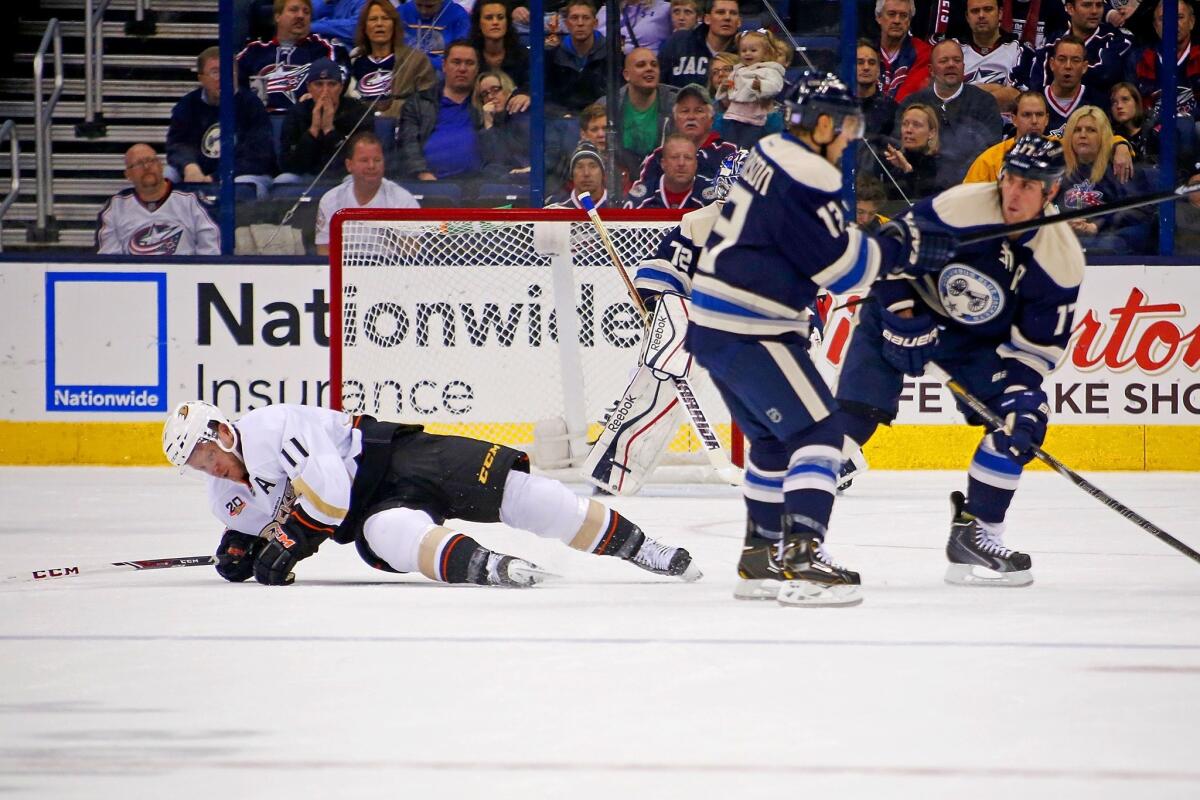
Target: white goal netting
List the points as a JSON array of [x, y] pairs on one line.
[[510, 326]]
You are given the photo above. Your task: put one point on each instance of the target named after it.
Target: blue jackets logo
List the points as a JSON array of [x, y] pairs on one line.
[[969, 296]]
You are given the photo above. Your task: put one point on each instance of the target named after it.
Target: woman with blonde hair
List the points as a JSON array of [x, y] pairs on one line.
[[1090, 182], [509, 129], [382, 66], [917, 165]]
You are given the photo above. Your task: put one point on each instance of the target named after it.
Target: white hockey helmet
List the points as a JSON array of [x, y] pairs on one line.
[[190, 424]]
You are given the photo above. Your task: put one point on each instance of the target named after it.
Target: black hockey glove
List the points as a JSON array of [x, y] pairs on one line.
[[289, 544], [925, 246], [1026, 413], [235, 555], [909, 343]]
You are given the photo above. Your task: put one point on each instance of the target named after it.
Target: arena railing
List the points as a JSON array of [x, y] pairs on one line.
[[93, 71], [9, 131], [46, 229]]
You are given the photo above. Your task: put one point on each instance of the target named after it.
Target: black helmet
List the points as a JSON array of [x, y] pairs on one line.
[[1037, 157], [817, 93]]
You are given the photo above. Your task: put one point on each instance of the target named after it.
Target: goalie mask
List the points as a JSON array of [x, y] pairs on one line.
[[731, 167], [190, 424]]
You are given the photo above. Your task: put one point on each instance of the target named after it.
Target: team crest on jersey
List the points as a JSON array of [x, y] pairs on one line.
[[284, 79], [969, 296], [235, 506], [210, 142], [637, 191], [1083, 195], [376, 84], [709, 192], [156, 239]]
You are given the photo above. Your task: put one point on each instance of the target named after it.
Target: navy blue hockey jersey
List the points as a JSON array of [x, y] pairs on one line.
[[674, 263], [282, 69]]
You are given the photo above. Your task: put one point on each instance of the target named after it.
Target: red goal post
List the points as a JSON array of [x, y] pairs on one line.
[[509, 325]]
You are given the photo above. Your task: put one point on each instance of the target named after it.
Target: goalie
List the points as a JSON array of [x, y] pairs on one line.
[[286, 478]]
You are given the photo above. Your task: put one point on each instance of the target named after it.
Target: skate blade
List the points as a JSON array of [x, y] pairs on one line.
[[816, 595], [974, 575], [761, 589], [691, 574], [530, 576]]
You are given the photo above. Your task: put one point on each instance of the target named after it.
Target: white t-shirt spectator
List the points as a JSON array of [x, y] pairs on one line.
[[390, 195]]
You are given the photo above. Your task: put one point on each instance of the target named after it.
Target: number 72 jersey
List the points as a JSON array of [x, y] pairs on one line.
[[780, 238]]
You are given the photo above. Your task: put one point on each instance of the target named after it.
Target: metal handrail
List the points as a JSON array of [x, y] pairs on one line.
[[139, 12], [9, 130], [93, 61], [43, 111]]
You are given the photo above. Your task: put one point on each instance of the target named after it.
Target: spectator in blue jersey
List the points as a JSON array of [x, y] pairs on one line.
[[336, 19], [692, 116], [315, 128], [382, 66], [430, 25], [587, 177], [277, 69], [1110, 53], [194, 135], [494, 37], [684, 57], [1067, 90], [577, 69], [442, 136], [679, 186]]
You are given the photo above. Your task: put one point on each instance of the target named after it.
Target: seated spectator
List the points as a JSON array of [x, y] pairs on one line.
[[869, 197], [277, 69], [679, 187], [509, 130], [753, 87], [364, 186], [643, 23], [442, 136], [495, 38], [587, 177], [1090, 182], [692, 116], [1129, 120], [593, 129], [879, 110], [685, 15], [577, 69], [194, 135], [969, 119], [382, 66], [429, 25], [1066, 91], [684, 57], [1108, 51], [645, 107], [314, 129], [1187, 71], [990, 53], [905, 57], [151, 218], [336, 19], [916, 166], [1030, 116]]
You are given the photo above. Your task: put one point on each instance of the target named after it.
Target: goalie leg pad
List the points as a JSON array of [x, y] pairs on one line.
[[662, 347], [635, 436]]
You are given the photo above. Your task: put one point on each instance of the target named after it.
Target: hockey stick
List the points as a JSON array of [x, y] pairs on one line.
[[995, 423], [687, 398], [114, 566], [1000, 231]]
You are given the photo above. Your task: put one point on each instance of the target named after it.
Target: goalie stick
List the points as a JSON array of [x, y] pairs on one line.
[[995, 423], [687, 398], [38, 575]]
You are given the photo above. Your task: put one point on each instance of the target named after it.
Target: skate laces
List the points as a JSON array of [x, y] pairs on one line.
[[990, 542], [654, 555], [823, 556]]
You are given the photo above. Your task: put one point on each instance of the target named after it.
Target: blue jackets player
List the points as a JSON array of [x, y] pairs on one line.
[[997, 319], [780, 238]]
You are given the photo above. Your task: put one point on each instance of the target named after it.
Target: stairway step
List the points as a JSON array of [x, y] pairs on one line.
[[63, 211], [96, 162], [73, 110], [115, 87], [128, 60], [161, 6], [68, 239], [74, 29], [63, 133]]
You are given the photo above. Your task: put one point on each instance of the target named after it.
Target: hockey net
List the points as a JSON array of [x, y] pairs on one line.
[[505, 325]]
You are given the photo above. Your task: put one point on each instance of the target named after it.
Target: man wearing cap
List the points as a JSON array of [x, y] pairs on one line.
[[680, 186], [277, 69], [587, 177], [315, 128], [684, 58], [691, 116]]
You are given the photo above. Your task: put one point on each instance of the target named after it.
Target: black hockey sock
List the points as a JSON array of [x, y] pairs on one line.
[[621, 539], [464, 560]]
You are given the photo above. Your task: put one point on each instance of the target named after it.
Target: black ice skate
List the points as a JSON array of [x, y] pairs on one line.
[[759, 572], [978, 557], [812, 578], [663, 559]]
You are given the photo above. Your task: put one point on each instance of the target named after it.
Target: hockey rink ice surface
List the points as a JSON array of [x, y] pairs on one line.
[[610, 683]]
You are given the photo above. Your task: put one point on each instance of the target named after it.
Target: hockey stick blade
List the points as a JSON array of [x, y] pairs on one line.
[[995, 423], [39, 575], [1001, 231]]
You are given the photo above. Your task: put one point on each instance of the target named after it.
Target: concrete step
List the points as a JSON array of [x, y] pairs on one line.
[[161, 6], [73, 110], [73, 29], [124, 60], [69, 239], [113, 87], [152, 134], [63, 211], [112, 162]]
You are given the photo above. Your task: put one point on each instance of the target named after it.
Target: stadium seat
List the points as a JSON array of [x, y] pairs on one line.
[[445, 193], [385, 129], [292, 191]]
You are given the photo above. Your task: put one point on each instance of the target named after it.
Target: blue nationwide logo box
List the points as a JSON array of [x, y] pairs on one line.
[[106, 341]]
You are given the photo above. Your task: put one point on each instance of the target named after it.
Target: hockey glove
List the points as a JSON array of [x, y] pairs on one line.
[[289, 544], [909, 343], [235, 555], [1025, 412], [925, 246]]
